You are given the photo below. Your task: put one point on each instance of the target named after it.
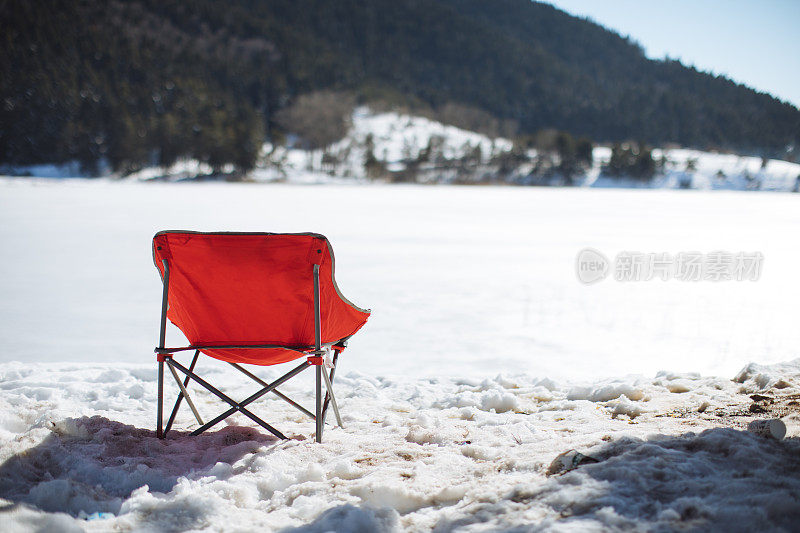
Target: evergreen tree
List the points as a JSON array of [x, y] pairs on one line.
[[146, 80]]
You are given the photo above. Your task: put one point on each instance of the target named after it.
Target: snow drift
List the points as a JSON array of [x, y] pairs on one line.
[[77, 452]]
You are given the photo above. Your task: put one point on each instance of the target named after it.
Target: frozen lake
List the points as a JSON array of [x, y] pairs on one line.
[[462, 280]]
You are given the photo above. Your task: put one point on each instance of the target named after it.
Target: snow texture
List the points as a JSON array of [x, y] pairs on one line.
[[77, 453], [467, 280]]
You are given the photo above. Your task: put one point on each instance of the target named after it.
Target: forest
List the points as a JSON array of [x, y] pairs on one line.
[[142, 82]]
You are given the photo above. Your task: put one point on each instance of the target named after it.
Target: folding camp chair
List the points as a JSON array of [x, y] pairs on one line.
[[252, 298]]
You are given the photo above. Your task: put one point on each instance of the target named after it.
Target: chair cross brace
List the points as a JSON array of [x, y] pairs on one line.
[[180, 396], [273, 390], [237, 406], [185, 393]]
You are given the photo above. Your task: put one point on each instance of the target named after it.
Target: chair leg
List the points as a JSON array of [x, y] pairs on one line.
[[276, 392], [160, 409], [319, 403]]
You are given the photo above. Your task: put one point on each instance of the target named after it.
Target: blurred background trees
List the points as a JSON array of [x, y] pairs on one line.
[[142, 82]]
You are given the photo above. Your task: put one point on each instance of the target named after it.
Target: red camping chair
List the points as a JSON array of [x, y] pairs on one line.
[[254, 298]]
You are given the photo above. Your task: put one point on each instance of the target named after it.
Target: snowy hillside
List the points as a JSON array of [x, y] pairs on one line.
[[416, 149], [393, 139], [396, 141], [694, 169]]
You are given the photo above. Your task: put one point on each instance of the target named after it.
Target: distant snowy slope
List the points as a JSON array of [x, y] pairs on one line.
[[396, 140], [731, 171], [441, 153], [695, 169], [398, 137], [393, 138]]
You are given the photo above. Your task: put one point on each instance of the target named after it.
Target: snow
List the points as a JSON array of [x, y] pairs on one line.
[[758, 378], [77, 453], [464, 278], [484, 359], [395, 138], [181, 169], [712, 170], [398, 138], [734, 169]]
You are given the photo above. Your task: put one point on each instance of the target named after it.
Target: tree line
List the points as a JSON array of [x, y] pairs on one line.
[[140, 82]]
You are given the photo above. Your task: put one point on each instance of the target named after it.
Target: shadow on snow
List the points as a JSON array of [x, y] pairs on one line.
[[92, 464], [721, 480]]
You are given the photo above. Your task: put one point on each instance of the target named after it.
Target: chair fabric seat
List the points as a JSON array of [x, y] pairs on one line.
[[253, 289]]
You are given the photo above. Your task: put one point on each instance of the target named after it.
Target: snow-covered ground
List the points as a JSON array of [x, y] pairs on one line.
[[462, 276], [483, 360], [442, 454]]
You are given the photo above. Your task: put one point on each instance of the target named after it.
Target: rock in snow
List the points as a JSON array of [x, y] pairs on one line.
[[78, 454]]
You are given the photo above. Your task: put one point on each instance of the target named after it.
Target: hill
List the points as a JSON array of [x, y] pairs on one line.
[[148, 81]]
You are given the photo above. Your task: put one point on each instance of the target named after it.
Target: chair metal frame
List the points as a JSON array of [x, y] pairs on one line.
[[317, 356]]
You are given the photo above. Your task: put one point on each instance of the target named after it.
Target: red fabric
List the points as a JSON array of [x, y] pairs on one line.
[[252, 289]]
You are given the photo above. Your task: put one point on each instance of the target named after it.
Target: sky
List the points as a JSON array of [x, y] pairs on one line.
[[755, 42]]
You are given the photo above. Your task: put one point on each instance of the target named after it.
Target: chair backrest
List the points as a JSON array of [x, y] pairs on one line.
[[253, 289]]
